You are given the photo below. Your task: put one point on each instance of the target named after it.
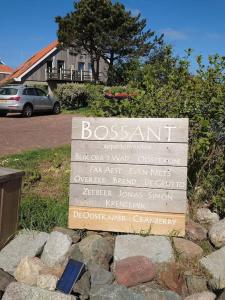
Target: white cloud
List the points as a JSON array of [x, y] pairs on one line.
[[174, 34]]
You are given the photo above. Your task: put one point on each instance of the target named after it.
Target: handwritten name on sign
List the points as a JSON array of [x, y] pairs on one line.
[[127, 168]]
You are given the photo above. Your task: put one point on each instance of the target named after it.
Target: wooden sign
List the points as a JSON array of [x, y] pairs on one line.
[[129, 175]]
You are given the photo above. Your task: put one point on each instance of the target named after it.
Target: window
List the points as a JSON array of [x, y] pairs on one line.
[[49, 64], [60, 65], [80, 66], [90, 68], [30, 92], [40, 92], [8, 91]]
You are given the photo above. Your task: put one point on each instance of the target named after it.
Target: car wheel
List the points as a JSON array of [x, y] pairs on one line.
[[56, 109], [3, 113], [27, 111]]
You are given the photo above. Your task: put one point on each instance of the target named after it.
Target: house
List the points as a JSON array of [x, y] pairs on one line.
[[53, 65], [4, 70]]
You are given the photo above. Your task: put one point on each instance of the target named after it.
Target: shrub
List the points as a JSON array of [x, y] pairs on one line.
[[76, 95], [72, 95], [201, 99]]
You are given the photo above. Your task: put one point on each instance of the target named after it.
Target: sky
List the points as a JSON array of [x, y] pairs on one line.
[[26, 26]]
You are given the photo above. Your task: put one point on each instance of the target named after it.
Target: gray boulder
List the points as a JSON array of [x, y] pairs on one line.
[[21, 291], [151, 291], [217, 234], [26, 243], [113, 292], [202, 296], [205, 216], [56, 249], [99, 276], [5, 280], [214, 263], [157, 248]]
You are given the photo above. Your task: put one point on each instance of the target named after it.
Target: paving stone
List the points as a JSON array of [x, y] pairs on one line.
[[187, 249], [75, 236], [26, 243], [205, 216], [217, 234], [214, 263], [157, 248], [113, 292], [28, 270], [56, 249], [195, 231], [5, 280], [202, 296], [133, 270], [21, 291]]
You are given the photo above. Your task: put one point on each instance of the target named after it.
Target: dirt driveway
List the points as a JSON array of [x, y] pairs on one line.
[[42, 131]]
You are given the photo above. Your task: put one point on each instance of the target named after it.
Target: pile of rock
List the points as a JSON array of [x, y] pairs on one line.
[[118, 267]]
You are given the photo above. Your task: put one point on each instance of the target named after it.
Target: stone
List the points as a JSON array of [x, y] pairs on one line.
[[82, 286], [133, 270], [21, 291], [151, 291], [5, 280], [102, 252], [195, 231], [202, 296], [172, 278], [86, 245], [99, 276], [217, 234], [187, 249], [28, 270], [47, 281], [75, 253], [75, 236], [26, 243], [205, 216], [222, 296], [214, 263], [56, 249], [56, 271], [157, 248], [113, 292], [196, 284]]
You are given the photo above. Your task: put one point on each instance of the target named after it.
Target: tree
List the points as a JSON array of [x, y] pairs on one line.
[[105, 31]]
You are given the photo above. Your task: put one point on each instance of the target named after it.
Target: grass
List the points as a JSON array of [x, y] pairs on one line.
[[45, 186], [83, 112]]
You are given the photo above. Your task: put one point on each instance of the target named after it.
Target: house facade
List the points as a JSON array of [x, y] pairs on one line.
[[5, 71], [52, 65]]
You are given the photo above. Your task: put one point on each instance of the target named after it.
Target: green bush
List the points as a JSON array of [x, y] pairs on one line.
[[75, 95], [72, 95], [176, 93]]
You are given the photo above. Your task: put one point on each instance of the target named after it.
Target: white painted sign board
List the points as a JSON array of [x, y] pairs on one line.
[[129, 175]]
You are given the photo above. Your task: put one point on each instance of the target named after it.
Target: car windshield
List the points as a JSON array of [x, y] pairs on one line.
[[8, 91]]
